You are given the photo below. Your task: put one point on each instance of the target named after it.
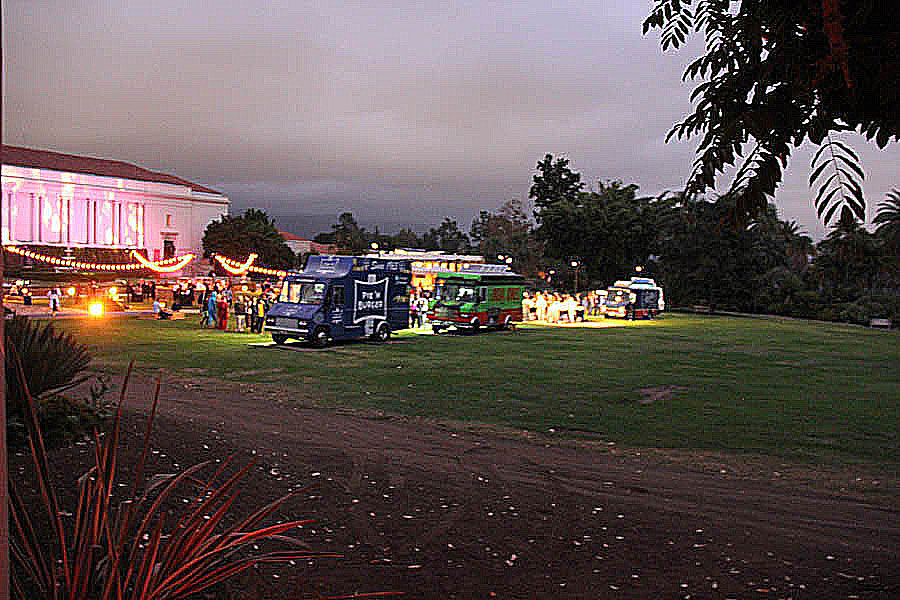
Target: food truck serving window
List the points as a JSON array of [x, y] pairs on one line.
[[453, 292], [302, 292]]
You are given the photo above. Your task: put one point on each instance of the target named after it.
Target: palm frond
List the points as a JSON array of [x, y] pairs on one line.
[[835, 168]]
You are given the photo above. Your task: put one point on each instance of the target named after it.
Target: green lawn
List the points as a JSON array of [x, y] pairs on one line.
[[817, 392]]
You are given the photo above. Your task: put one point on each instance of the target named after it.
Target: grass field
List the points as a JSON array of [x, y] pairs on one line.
[[804, 391]]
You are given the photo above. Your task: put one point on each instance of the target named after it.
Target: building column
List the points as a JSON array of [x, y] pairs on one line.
[[35, 218]]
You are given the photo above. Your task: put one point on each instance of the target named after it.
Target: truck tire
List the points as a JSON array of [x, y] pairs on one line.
[[279, 338], [437, 329], [319, 337], [382, 333]]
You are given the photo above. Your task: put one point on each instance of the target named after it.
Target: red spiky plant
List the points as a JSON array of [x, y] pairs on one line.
[[132, 550]]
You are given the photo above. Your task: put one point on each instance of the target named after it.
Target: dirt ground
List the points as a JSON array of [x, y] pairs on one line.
[[442, 510]]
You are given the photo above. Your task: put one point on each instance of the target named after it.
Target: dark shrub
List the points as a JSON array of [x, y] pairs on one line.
[[52, 362]]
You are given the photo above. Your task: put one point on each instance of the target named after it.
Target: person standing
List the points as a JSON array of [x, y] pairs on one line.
[[259, 313], [54, 295], [211, 308], [540, 305], [239, 314], [414, 311], [421, 308], [222, 312]]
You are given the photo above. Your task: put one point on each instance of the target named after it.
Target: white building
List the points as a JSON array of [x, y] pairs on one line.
[[63, 200]]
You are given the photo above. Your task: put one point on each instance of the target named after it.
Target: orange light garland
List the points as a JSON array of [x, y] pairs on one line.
[[235, 268], [163, 266], [179, 264], [240, 268]]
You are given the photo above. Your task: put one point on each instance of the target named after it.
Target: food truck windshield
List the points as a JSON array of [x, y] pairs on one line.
[[617, 296], [455, 293], [303, 292]]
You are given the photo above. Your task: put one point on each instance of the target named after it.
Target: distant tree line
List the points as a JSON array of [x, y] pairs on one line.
[[508, 233], [704, 251], [701, 250]]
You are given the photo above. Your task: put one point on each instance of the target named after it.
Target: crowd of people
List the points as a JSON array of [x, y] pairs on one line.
[[221, 303], [553, 307]]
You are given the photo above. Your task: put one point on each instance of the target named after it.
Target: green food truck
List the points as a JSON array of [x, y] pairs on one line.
[[480, 296]]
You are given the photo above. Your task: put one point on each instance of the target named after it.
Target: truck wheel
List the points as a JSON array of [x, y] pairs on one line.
[[320, 337], [437, 329], [475, 326], [279, 338], [383, 333], [507, 322]]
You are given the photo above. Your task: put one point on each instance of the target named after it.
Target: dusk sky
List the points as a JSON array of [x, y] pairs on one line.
[[397, 112]]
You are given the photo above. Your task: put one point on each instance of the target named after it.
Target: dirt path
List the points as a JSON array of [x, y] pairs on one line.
[[440, 511]]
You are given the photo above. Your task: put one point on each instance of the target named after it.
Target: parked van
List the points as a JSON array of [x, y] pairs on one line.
[[340, 298], [638, 298]]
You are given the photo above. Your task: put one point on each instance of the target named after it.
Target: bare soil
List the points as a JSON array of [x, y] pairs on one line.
[[443, 510]]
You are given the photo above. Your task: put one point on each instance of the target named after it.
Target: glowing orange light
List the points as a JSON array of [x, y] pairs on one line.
[[95, 309], [71, 291], [164, 267], [234, 267]]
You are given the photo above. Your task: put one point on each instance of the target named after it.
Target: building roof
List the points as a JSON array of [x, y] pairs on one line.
[[44, 159], [291, 237]]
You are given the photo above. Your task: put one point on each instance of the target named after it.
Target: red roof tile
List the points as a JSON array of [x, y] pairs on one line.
[[45, 159], [290, 236]]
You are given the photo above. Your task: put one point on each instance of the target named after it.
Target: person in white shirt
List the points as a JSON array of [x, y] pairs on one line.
[[540, 303], [54, 295]]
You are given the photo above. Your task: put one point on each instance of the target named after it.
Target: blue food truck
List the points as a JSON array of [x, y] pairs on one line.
[[340, 298]]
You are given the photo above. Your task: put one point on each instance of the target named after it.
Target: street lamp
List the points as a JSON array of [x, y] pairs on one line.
[[639, 268], [575, 265], [375, 248]]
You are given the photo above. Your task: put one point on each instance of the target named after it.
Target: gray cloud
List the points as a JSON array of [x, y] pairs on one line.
[[383, 108]]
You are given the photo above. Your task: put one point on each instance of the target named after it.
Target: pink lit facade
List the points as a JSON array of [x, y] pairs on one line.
[[49, 207]]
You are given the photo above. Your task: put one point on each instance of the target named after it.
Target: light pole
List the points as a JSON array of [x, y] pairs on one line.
[[375, 248], [575, 264]]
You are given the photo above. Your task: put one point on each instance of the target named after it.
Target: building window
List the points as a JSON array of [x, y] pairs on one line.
[[168, 220]]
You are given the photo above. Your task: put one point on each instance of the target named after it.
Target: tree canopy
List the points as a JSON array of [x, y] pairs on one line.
[[507, 233], [609, 230], [349, 236], [778, 73], [252, 232], [447, 237]]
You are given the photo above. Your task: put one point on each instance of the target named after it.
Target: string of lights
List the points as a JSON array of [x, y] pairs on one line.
[[168, 265], [181, 263], [163, 266], [234, 267]]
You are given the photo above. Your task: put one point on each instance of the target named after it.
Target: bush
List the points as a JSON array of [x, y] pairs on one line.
[[61, 419], [51, 362]]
